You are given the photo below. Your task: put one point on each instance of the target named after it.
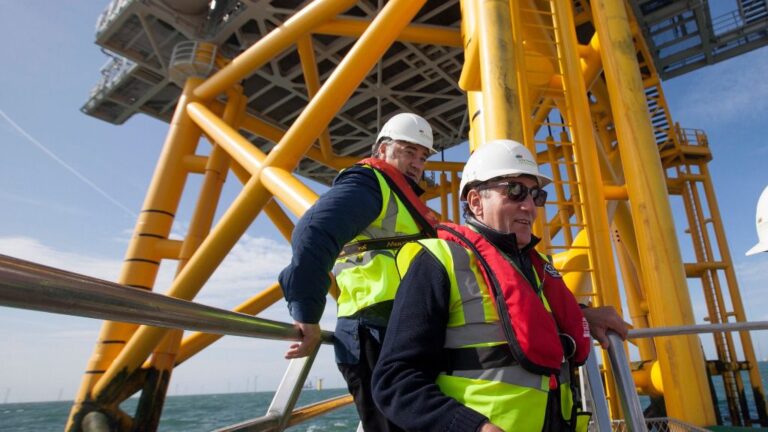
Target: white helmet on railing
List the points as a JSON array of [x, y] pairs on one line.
[[410, 128], [500, 158], [761, 220]]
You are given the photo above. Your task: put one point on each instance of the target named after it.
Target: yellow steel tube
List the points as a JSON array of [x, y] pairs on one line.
[[216, 171], [239, 148], [279, 218], [455, 183], [273, 43], [272, 208], [733, 290], [314, 410], [266, 130], [293, 193], [681, 358], [469, 80], [282, 184], [195, 164], [168, 249], [615, 192], [200, 267], [312, 81], [347, 76], [525, 80], [498, 70], [414, 33], [647, 378], [444, 196], [154, 223]]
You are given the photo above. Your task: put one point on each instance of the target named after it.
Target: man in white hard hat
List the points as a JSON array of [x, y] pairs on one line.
[[484, 334], [354, 230], [761, 221]]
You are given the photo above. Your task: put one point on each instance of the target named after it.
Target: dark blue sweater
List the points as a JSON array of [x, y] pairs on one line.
[[413, 353], [346, 209], [339, 215], [411, 359]]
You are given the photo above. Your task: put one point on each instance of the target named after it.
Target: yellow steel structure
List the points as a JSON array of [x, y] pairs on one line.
[[585, 106]]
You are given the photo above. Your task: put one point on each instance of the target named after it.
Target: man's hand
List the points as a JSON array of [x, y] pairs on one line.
[[489, 427], [310, 337], [604, 318]]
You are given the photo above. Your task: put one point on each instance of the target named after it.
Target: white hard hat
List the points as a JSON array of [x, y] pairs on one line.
[[410, 128], [500, 158], [761, 220]]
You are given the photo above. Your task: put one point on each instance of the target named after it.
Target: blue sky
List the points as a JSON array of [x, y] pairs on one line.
[[70, 186]]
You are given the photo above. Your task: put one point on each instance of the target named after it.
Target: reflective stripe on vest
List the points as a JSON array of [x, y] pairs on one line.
[[510, 396], [370, 277]]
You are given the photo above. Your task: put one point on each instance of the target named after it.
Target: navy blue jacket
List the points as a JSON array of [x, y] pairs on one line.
[[339, 215], [412, 356]]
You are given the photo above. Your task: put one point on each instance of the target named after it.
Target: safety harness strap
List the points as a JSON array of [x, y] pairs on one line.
[[480, 358], [379, 243]]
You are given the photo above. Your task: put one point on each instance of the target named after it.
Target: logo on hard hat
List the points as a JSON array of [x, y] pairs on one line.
[[525, 161]]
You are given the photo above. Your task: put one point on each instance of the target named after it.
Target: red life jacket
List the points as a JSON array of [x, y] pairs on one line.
[[531, 332], [400, 185]]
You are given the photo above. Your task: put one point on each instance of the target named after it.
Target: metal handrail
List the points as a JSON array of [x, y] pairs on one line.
[[28, 285], [619, 363], [599, 401], [630, 403], [696, 329]]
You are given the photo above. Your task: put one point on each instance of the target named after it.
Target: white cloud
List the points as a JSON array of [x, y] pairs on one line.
[[30, 249]]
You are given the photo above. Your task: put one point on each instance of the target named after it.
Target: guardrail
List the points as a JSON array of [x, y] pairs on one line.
[[27, 285]]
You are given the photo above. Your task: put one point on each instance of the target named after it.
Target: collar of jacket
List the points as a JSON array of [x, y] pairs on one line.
[[506, 242]]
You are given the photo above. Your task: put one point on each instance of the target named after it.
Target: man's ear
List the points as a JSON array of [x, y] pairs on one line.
[[381, 150], [475, 202]]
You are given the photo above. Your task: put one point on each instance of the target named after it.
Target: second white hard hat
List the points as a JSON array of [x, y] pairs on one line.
[[500, 158], [408, 127], [761, 221]]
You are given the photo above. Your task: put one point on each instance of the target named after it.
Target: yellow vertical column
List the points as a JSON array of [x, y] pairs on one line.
[[469, 81], [155, 386], [154, 224], [498, 71], [681, 358]]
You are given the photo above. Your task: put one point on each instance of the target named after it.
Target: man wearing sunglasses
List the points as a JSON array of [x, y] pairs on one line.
[[484, 335]]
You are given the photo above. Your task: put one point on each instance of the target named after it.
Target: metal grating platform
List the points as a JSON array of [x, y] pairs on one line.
[[411, 77], [421, 78]]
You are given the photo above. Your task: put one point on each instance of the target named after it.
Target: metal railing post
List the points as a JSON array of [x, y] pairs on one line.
[[630, 403], [594, 381]]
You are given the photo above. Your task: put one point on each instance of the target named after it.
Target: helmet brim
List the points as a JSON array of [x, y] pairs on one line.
[[756, 249]]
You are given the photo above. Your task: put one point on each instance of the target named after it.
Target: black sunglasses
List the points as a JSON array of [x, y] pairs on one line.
[[518, 192]]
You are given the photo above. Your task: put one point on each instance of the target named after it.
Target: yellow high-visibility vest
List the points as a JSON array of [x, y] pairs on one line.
[[511, 397], [370, 276]]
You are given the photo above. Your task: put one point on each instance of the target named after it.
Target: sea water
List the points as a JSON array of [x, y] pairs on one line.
[[209, 412]]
